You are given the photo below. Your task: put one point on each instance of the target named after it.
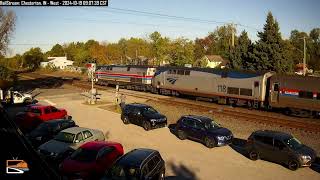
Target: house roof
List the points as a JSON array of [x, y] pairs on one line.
[[214, 58]]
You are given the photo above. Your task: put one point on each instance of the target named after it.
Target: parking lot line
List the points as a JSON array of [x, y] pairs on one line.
[[49, 102]]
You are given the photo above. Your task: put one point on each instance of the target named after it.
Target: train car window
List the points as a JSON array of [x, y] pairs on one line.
[[170, 71], [181, 72], [305, 94], [110, 68], [143, 74], [174, 72], [276, 87], [256, 84], [187, 73], [245, 92], [318, 96], [128, 68], [233, 90]]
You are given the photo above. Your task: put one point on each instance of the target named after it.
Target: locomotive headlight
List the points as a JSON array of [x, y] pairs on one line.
[[305, 157]]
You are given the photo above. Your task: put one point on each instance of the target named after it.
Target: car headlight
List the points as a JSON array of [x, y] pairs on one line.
[[306, 157], [38, 138], [153, 120], [220, 138]]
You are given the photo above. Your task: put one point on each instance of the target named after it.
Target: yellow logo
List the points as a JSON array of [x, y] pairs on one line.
[[16, 167]]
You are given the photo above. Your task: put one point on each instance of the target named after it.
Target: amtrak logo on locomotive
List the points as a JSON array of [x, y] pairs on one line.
[[172, 80]]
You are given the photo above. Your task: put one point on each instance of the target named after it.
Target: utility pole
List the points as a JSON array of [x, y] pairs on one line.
[[304, 56], [232, 43]]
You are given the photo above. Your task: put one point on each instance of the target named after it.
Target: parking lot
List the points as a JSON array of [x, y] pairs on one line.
[[184, 159]]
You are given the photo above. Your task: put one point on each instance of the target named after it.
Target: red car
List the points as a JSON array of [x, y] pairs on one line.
[[36, 114], [91, 160]]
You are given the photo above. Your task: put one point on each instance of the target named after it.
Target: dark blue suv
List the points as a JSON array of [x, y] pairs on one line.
[[203, 129]]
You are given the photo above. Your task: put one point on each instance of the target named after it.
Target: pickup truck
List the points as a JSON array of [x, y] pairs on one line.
[[21, 98], [36, 114]]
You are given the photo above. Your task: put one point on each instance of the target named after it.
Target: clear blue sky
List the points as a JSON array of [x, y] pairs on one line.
[[46, 26]]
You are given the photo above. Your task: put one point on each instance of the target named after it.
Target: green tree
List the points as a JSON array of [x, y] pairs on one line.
[[56, 51], [268, 53], [181, 52], [239, 57], [32, 58], [159, 46]]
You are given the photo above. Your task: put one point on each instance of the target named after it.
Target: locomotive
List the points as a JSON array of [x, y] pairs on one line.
[[296, 95]]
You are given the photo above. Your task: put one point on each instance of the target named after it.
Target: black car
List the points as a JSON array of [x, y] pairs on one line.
[[279, 147], [138, 164], [143, 115], [203, 129], [47, 130]]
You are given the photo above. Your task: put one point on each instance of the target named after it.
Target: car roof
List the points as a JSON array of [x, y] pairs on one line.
[[138, 105], [276, 134], [75, 130], [97, 145], [200, 118], [135, 157]]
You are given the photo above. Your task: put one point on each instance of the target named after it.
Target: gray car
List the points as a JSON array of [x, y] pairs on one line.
[[67, 141]]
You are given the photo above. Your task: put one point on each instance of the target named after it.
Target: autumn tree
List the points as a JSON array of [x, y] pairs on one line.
[[159, 46], [7, 24], [32, 58]]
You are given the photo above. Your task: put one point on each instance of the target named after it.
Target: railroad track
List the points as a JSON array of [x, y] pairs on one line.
[[289, 122]]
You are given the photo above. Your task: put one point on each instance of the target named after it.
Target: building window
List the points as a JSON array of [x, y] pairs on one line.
[[233, 90], [246, 92], [306, 94]]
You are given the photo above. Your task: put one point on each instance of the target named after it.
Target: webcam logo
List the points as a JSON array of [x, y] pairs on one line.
[[16, 167]]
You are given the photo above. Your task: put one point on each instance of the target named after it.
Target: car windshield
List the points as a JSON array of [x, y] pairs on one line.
[[120, 172], [65, 137], [293, 143], [149, 110], [84, 155], [212, 125]]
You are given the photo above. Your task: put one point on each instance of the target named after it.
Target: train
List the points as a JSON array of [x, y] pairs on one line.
[[293, 94]]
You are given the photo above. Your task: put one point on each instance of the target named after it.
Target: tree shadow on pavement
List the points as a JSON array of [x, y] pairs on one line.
[[47, 83], [239, 145], [181, 172]]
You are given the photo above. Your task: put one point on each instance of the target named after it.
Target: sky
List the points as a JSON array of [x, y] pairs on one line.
[[45, 26]]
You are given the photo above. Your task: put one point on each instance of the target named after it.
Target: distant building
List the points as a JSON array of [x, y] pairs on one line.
[[299, 69], [211, 61], [58, 62]]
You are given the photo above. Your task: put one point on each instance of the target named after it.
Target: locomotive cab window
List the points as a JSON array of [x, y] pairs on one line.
[[128, 68], [276, 87], [256, 84]]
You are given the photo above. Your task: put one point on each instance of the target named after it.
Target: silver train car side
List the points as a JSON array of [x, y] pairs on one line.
[[224, 86], [129, 77]]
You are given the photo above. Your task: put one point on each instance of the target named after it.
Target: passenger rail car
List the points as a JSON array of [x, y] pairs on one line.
[[129, 77], [298, 95], [224, 86]]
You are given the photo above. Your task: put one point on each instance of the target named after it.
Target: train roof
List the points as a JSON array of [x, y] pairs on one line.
[[132, 66]]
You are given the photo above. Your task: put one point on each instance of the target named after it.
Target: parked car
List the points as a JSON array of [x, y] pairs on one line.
[[138, 164], [36, 114], [67, 141], [91, 160], [143, 115], [203, 129], [279, 147], [47, 130]]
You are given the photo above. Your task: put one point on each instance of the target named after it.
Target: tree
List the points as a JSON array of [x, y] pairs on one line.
[[159, 46], [33, 57], [268, 53], [181, 52], [239, 57], [7, 24], [56, 51]]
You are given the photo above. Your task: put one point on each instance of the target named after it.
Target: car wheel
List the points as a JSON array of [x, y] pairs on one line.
[[125, 120], [209, 142], [181, 135], [253, 155], [293, 165], [146, 125]]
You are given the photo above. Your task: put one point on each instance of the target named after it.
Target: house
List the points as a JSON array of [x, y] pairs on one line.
[[58, 62], [211, 61]]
